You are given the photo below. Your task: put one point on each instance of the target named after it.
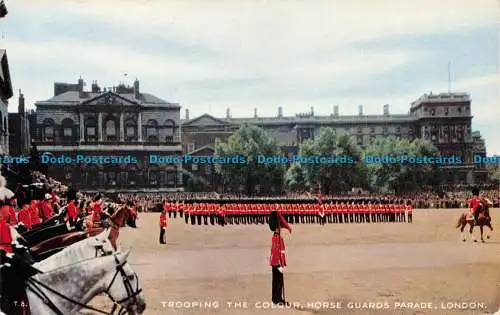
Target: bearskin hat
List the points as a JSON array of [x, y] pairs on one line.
[[475, 191], [71, 194]]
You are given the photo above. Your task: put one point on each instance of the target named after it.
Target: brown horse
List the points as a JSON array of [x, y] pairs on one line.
[[483, 220], [57, 243]]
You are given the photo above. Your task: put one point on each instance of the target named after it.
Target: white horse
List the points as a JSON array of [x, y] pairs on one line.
[[68, 289], [88, 248]]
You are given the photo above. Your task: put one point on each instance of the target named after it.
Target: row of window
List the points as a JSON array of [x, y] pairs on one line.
[[446, 110], [125, 178]]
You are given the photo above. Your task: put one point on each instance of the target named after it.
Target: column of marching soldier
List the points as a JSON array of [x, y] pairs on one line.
[[214, 212]]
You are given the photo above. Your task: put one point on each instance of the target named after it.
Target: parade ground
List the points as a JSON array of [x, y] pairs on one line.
[[365, 268]]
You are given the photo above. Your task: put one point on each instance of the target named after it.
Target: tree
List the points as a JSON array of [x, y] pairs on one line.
[[401, 175], [295, 179], [250, 142], [194, 183], [331, 160]]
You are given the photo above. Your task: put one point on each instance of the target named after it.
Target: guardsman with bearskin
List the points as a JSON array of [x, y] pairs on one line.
[[97, 209], [35, 212], [163, 226], [187, 210], [277, 259], [475, 203]]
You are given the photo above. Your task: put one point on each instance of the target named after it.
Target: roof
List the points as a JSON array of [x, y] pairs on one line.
[[201, 149], [343, 119], [76, 98]]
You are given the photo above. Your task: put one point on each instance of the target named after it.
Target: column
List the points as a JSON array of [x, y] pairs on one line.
[[82, 128], [122, 127], [139, 126], [99, 126], [180, 132]]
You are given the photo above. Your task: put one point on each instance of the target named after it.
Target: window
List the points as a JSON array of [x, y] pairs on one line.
[[110, 128], [151, 131], [459, 110], [433, 112], [194, 167], [386, 130], [130, 131], [49, 131], [170, 178], [91, 131], [169, 139], [68, 132], [190, 147], [372, 129], [360, 130], [425, 109], [208, 169], [398, 129], [446, 111]]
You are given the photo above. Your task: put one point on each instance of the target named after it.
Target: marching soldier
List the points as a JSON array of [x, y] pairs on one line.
[[277, 259], [163, 226]]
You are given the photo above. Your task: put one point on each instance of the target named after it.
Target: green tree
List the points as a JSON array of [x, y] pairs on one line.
[[295, 179], [342, 172], [250, 142], [401, 176], [194, 183]]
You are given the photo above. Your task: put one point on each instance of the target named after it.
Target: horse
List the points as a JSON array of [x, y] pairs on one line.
[[483, 219], [67, 289], [53, 245]]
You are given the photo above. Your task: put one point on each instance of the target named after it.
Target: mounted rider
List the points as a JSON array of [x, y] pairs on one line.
[[475, 204]]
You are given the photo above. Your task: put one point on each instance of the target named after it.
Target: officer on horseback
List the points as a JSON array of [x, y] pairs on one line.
[[475, 203]]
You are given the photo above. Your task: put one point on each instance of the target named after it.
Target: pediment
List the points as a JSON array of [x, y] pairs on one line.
[[205, 120], [109, 99]]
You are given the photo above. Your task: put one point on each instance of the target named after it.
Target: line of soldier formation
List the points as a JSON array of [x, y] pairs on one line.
[[215, 212]]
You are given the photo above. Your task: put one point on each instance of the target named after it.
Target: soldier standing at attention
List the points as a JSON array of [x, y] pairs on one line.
[[277, 258], [409, 210], [163, 226]]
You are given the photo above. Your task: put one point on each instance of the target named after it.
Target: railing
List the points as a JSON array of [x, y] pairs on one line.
[[78, 143]]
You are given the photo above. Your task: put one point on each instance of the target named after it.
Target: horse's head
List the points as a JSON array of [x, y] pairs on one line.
[[102, 244], [124, 287]]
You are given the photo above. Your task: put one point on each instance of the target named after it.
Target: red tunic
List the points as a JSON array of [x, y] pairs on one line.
[[5, 236], [47, 211], [25, 217], [409, 209], [474, 203], [277, 257], [35, 214], [163, 220], [9, 214], [72, 211], [96, 212]]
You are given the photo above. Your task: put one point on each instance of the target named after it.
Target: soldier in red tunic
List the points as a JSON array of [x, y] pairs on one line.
[[277, 258], [475, 203], [409, 210], [46, 208], [163, 226], [97, 209], [72, 211], [24, 215]]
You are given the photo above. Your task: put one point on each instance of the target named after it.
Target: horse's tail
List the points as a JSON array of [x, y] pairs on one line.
[[460, 220]]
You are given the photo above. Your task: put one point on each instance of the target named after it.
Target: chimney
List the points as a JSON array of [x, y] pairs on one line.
[[255, 113], [336, 111], [137, 93], [280, 111], [21, 108], [95, 87], [386, 110], [81, 84], [187, 114], [312, 111], [228, 113], [360, 110]]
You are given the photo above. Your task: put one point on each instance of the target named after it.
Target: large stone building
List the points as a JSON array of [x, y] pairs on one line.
[[117, 121], [445, 119], [5, 94]]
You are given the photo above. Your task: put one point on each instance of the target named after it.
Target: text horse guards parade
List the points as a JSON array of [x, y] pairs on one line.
[[56, 261]]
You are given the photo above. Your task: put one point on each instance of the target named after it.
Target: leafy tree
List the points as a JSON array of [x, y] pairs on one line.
[[401, 176], [250, 142], [194, 183], [340, 172], [295, 179]]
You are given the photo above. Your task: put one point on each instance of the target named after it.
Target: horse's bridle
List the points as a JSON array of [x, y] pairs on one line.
[[35, 285]]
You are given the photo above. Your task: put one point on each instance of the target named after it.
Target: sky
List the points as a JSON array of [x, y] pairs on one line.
[[218, 54]]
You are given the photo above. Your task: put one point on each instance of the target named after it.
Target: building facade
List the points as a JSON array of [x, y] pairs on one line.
[[5, 94], [444, 119], [117, 121]]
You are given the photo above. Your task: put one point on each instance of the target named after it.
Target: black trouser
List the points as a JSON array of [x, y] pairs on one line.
[[162, 235], [277, 286], [410, 219]]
